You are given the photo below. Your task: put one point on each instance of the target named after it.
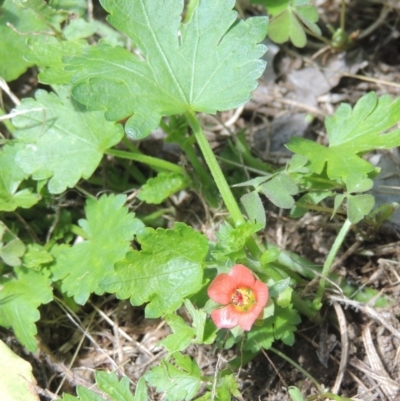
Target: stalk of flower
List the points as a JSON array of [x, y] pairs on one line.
[[242, 295]]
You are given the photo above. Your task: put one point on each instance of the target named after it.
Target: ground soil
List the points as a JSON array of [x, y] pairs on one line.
[[298, 90]]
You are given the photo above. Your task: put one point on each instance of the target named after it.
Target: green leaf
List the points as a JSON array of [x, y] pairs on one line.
[[12, 252], [285, 26], [339, 198], [166, 270], [297, 164], [36, 256], [158, 189], [284, 298], [180, 382], [351, 133], [13, 46], [233, 239], [285, 321], [115, 390], [182, 334], [44, 12], [17, 381], [254, 208], [289, 23], [49, 57], [260, 337], [280, 326], [63, 142], [193, 66], [109, 229], [273, 7], [200, 321], [279, 190], [357, 182], [20, 298], [359, 206], [11, 176], [295, 394], [225, 388], [141, 390]]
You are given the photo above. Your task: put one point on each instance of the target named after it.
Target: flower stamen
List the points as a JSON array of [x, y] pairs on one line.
[[243, 299]]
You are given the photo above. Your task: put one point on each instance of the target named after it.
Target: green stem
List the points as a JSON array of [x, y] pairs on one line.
[[343, 15], [329, 261], [220, 181], [216, 172], [297, 366], [154, 162], [204, 177]]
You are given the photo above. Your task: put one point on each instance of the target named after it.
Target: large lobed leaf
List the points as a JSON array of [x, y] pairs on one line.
[[351, 133], [209, 63], [62, 141], [166, 270], [109, 229]]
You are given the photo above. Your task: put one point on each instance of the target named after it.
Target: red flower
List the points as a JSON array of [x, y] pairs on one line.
[[243, 295]]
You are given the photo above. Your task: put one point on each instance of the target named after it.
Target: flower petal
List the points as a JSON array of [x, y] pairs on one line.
[[222, 288], [242, 276], [261, 292], [225, 318], [246, 320]]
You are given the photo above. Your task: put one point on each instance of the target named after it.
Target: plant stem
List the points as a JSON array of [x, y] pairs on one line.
[[343, 15], [154, 162], [187, 146], [220, 181], [216, 172], [329, 261], [297, 366]]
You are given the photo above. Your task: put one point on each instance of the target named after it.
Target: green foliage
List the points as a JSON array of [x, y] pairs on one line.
[[20, 297], [36, 255], [11, 177], [13, 45], [112, 388], [351, 133], [180, 381], [182, 334], [62, 141], [167, 269], [232, 240], [295, 394], [175, 63], [279, 188], [158, 189], [11, 248], [280, 326], [226, 388], [289, 20], [82, 266], [175, 78], [358, 205], [49, 57]]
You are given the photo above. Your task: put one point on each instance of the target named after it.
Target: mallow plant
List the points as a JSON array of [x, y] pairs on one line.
[[104, 88]]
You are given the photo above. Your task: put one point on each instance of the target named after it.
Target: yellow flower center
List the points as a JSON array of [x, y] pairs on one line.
[[243, 299]]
